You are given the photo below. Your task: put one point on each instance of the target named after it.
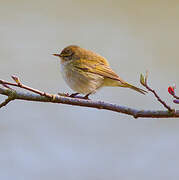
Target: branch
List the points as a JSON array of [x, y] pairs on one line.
[[10, 98], [144, 82], [37, 95], [89, 103]]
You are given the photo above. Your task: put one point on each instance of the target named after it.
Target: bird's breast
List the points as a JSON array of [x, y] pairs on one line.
[[80, 81]]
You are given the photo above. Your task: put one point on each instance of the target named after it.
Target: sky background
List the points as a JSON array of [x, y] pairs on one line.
[[53, 141]]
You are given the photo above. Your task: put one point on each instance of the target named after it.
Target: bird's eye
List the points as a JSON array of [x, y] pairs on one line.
[[67, 53]]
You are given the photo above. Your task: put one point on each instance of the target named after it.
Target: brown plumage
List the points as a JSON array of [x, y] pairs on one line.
[[85, 71]]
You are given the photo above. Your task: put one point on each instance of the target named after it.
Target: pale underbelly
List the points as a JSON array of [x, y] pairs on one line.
[[82, 82]]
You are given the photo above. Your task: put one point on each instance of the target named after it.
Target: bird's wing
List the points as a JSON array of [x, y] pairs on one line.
[[97, 68]]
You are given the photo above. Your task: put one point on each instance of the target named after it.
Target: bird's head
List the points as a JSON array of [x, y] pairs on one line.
[[69, 53]]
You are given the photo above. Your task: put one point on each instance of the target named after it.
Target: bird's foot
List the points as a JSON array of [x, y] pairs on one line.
[[68, 95], [63, 94], [73, 95], [86, 97]]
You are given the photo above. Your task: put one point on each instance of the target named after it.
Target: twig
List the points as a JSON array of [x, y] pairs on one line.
[[90, 103], [11, 96], [46, 97], [19, 84], [144, 82], [176, 97]]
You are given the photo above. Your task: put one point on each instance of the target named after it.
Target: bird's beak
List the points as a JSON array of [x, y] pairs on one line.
[[56, 55]]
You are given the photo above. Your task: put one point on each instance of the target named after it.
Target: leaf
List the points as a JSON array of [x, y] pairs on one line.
[[142, 80], [146, 76]]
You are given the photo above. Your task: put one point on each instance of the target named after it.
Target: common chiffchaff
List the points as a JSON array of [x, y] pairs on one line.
[[85, 71]]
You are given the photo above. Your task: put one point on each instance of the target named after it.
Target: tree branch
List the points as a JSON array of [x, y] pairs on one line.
[[144, 82], [36, 95]]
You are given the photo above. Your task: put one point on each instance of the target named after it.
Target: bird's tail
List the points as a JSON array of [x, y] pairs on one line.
[[114, 83], [135, 88]]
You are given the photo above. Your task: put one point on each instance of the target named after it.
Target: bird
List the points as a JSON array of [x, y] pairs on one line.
[[86, 72]]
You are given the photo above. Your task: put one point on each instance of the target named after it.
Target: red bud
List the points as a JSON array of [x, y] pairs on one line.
[[176, 101], [171, 90]]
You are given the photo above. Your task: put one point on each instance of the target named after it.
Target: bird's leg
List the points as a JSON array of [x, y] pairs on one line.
[[86, 96], [73, 95]]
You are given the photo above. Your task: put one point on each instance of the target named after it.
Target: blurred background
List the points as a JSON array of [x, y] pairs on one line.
[[54, 141]]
